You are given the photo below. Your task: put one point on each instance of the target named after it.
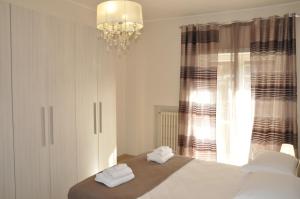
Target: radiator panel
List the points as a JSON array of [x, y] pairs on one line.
[[168, 129]]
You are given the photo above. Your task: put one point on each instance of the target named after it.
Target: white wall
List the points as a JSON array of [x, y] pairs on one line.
[[153, 65]]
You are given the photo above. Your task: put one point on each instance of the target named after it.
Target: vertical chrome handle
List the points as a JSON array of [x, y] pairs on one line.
[[51, 124], [43, 125], [100, 117], [95, 118]]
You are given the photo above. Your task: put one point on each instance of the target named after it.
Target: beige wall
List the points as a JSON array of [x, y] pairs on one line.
[[121, 103], [61, 8], [152, 72]]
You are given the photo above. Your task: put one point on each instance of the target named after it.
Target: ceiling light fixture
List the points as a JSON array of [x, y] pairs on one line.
[[119, 22]]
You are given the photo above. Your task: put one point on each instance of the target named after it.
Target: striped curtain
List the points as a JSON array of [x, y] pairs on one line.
[[198, 84], [273, 83]]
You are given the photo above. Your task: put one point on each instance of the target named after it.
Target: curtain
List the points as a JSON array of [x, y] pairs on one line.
[[238, 89], [198, 84], [234, 104], [273, 82]]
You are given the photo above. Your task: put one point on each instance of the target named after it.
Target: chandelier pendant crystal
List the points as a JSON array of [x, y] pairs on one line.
[[119, 22]]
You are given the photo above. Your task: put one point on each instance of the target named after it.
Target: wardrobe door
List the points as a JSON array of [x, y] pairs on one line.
[[86, 101], [107, 107], [7, 186], [29, 74], [62, 108]]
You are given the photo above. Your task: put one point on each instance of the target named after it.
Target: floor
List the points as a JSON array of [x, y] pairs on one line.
[[123, 158]]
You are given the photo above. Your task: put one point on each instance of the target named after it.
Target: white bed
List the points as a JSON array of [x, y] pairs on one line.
[[270, 175], [200, 179]]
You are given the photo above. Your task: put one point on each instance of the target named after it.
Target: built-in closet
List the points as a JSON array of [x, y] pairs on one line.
[[58, 110], [7, 184]]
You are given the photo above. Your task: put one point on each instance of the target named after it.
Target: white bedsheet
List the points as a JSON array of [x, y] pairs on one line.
[[199, 180]]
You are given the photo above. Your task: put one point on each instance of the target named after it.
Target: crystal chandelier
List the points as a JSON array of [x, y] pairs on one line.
[[119, 22]]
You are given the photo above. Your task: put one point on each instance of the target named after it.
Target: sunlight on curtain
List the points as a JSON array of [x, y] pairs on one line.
[[197, 100], [203, 125], [202, 97], [234, 109]]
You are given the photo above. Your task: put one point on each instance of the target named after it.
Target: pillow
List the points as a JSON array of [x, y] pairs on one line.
[[265, 185], [271, 161]]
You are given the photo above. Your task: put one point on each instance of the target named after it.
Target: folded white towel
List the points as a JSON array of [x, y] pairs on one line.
[[158, 158], [162, 153], [119, 166], [112, 182], [163, 149], [118, 171]]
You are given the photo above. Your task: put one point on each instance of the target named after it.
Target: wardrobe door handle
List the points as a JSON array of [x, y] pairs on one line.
[[95, 118], [100, 117], [43, 125], [51, 124]]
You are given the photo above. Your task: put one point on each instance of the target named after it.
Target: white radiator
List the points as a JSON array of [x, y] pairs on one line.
[[168, 129]]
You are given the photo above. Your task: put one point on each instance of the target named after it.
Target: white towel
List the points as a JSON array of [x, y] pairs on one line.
[[119, 166], [118, 171], [163, 149], [111, 182], [159, 159]]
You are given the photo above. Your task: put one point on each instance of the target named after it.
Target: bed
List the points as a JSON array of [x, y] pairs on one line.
[[150, 181], [187, 178]]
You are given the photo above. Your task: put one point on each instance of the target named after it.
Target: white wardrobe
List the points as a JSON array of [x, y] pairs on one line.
[[61, 101], [7, 186], [95, 103]]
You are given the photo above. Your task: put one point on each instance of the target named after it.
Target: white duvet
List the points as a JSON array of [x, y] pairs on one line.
[[201, 180]]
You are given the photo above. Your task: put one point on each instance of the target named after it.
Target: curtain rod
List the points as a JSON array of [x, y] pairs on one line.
[[246, 21]]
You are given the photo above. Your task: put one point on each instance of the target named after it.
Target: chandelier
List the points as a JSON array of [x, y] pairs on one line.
[[119, 22]]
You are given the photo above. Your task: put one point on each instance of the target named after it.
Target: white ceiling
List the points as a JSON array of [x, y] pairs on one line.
[[159, 9]]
